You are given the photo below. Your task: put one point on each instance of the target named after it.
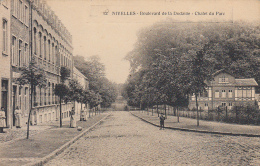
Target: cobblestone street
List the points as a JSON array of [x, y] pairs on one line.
[[123, 139]]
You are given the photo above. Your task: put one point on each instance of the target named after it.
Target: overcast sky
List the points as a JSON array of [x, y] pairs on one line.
[[113, 35]]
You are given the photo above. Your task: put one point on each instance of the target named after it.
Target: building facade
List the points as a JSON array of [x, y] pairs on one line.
[[20, 55], [83, 81], [51, 49], [226, 91], [5, 77], [31, 30]]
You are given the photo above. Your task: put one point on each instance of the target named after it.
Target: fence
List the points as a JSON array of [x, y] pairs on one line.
[[239, 114]]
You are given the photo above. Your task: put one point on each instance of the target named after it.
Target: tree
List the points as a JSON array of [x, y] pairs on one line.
[[174, 60], [62, 89], [34, 76], [99, 85], [199, 74], [76, 91]]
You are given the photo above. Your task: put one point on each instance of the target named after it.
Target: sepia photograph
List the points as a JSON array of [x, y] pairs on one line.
[[130, 82]]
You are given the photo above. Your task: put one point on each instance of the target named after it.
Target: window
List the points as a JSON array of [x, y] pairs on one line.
[[45, 97], [15, 11], [26, 15], [206, 105], [230, 104], [26, 56], [49, 93], [44, 47], [53, 97], [202, 94], [49, 50], [20, 97], [244, 92], [20, 57], [40, 94], [26, 99], [223, 79], [14, 53], [20, 3], [248, 93], [230, 94], [53, 53], [34, 41], [5, 36], [40, 44], [217, 94], [223, 94], [223, 104], [239, 92]]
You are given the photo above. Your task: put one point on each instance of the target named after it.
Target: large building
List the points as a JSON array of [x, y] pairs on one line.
[[227, 91], [31, 30], [5, 77], [51, 48]]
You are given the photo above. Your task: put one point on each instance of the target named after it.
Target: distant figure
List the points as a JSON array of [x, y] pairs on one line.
[[72, 118], [83, 114], [18, 117], [162, 118], [2, 120]]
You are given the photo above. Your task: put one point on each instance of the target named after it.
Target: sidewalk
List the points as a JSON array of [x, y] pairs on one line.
[[44, 140], [14, 133], [188, 124]]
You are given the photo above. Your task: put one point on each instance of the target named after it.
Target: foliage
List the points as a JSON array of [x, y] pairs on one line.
[[64, 73], [172, 60], [100, 88], [75, 91], [61, 90], [34, 76]]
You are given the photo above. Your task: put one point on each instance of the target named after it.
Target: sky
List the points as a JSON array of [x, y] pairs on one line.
[[109, 28]]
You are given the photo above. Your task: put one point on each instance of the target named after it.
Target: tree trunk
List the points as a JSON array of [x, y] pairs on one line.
[[29, 116], [165, 111], [157, 110], [60, 114], [177, 112], [197, 107]]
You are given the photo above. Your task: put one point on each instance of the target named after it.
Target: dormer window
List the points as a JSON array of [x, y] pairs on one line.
[[223, 79]]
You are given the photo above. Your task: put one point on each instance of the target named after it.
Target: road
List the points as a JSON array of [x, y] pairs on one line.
[[125, 140]]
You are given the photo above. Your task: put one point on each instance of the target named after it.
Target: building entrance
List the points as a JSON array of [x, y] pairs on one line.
[[4, 96]]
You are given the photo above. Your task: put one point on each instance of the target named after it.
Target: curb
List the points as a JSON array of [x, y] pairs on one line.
[[47, 158], [199, 131]]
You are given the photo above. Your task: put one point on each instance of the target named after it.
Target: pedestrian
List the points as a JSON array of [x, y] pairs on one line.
[[83, 114], [72, 118], [18, 117], [2, 119], [162, 118]]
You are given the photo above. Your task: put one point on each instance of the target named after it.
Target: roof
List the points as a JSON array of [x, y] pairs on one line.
[[246, 82], [221, 71]]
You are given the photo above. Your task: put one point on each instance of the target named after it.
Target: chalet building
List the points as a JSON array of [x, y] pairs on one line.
[[225, 90], [30, 29]]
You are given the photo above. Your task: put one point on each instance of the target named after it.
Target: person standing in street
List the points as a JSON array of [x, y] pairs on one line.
[[2, 120], [18, 117], [162, 118], [72, 118]]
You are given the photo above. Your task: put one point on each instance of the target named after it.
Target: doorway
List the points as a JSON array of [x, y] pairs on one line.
[[4, 96], [14, 102]]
